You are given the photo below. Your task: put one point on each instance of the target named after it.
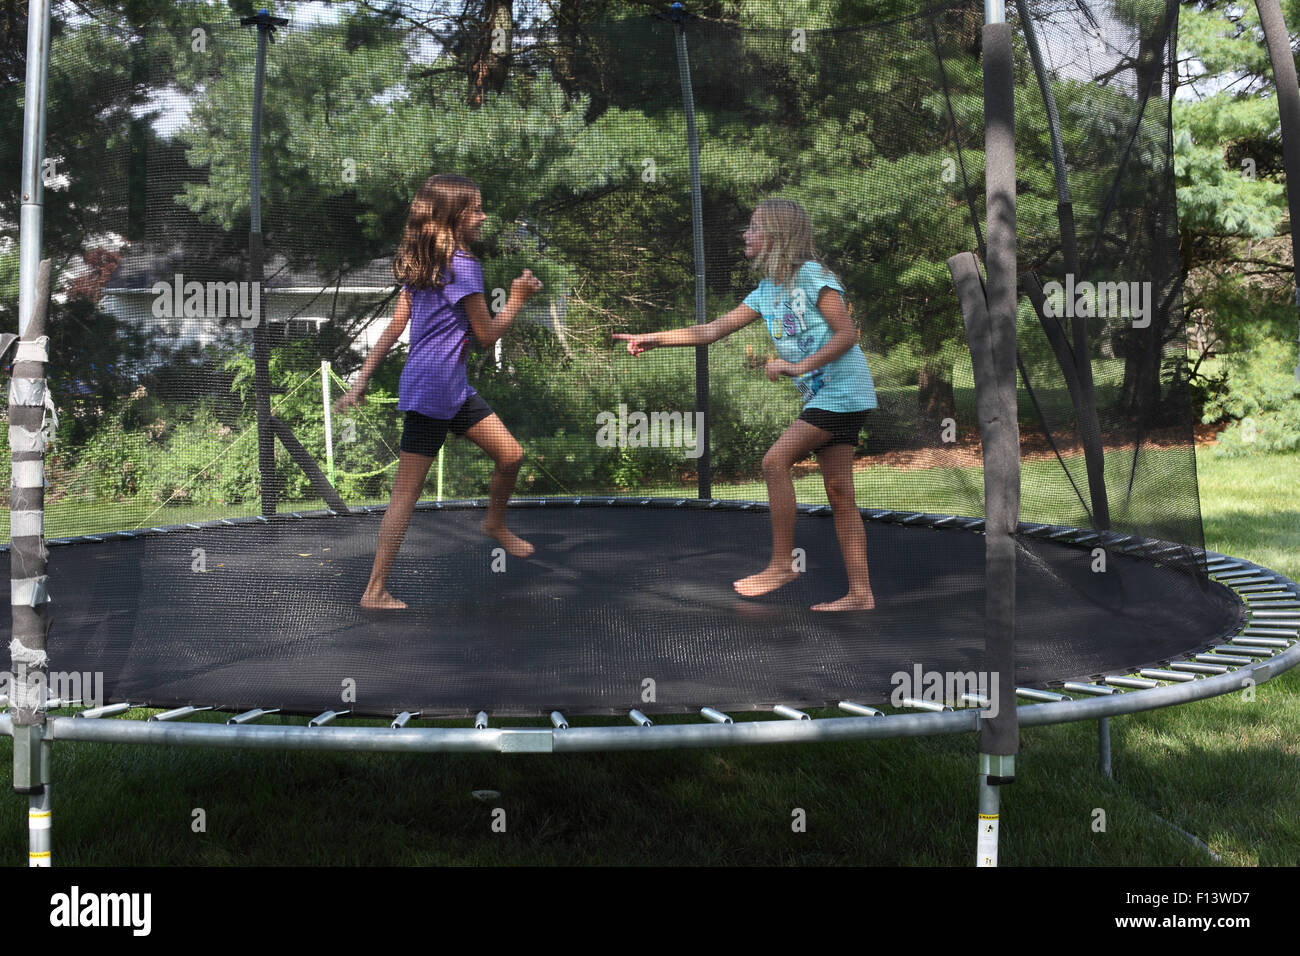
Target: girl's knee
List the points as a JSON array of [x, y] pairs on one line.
[[839, 491], [512, 460], [775, 463]]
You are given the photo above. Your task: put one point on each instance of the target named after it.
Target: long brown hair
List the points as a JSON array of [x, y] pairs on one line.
[[435, 229]]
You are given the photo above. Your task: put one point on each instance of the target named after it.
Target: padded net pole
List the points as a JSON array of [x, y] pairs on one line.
[[999, 731], [1288, 108], [29, 600], [697, 231]]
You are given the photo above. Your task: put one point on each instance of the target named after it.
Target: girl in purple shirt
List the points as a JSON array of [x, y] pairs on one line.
[[442, 298]]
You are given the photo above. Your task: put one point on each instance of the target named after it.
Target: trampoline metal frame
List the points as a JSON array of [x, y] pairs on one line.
[[711, 733], [32, 751], [1270, 630]]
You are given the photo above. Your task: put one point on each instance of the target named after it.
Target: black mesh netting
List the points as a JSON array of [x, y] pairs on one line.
[[577, 135]]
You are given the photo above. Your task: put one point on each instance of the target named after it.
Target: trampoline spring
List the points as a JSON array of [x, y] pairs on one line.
[[1243, 649], [1033, 693], [976, 700], [717, 716], [640, 719], [1137, 683], [1270, 632], [1243, 573], [1220, 658], [481, 721], [1262, 590], [320, 720], [558, 720], [250, 715], [1289, 602], [862, 710], [1230, 582], [1284, 618], [1098, 690], [1199, 668], [1278, 642], [402, 719], [107, 710], [1168, 675], [178, 713], [931, 705], [790, 713], [55, 703]]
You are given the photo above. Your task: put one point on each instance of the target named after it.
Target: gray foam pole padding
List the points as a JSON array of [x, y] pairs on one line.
[[1000, 734], [29, 600], [1288, 108]]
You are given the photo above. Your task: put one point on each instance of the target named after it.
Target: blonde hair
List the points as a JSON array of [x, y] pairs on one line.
[[435, 229], [787, 225]]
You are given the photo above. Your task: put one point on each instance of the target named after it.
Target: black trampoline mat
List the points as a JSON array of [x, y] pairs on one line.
[[620, 608]]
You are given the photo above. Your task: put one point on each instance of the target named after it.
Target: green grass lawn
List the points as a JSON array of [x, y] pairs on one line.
[[1225, 770]]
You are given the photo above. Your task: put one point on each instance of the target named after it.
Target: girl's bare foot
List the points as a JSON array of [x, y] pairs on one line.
[[853, 601], [515, 546], [765, 581], [383, 601]]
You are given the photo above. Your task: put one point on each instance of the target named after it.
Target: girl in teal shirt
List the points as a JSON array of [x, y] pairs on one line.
[[803, 306]]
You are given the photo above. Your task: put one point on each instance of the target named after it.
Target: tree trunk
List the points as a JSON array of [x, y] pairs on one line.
[[490, 66], [934, 390]]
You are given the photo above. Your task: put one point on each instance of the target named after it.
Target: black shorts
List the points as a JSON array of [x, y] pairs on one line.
[[843, 426], [422, 435]]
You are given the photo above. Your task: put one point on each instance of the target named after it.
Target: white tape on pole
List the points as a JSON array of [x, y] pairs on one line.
[[24, 439], [27, 391], [29, 592], [34, 350]]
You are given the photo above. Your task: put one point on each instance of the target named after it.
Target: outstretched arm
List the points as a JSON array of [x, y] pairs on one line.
[[706, 334], [401, 315], [844, 335]]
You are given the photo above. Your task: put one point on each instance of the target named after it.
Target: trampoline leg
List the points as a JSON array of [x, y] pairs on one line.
[[995, 770], [1103, 746], [40, 815]]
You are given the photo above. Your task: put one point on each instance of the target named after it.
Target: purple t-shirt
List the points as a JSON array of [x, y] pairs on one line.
[[433, 382]]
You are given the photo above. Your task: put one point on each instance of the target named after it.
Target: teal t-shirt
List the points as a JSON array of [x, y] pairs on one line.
[[799, 329]]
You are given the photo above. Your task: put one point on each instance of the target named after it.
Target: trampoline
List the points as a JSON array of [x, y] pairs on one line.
[[620, 592], [1031, 506]]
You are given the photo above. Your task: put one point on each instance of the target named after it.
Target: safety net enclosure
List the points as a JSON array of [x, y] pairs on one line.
[[619, 161]]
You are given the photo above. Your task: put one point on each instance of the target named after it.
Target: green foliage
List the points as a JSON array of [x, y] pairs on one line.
[[1263, 400]]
